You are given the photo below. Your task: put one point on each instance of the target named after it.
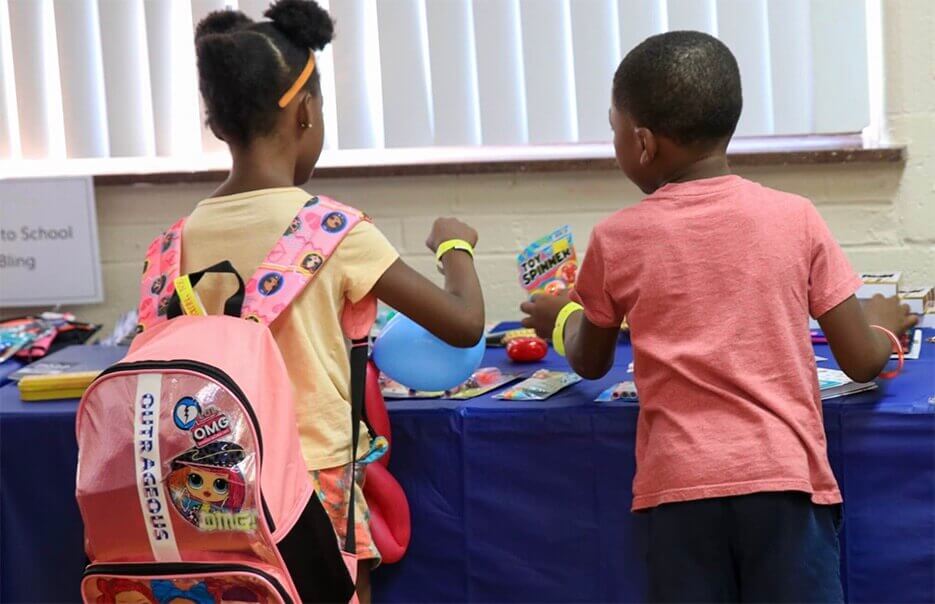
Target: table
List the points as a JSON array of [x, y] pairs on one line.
[[528, 501], [523, 501]]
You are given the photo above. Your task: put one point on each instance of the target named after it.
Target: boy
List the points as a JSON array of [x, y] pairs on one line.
[[717, 276]]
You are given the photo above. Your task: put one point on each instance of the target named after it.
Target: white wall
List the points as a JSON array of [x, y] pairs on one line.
[[884, 215]]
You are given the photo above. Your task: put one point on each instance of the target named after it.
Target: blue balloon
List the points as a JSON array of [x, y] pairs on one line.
[[412, 356]]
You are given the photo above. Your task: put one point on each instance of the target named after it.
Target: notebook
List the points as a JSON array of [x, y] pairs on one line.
[[834, 383]]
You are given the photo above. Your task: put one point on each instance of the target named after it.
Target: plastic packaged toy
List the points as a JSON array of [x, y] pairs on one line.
[[549, 265], [539, 386], [622, 391], [483, 381], [391, 389]]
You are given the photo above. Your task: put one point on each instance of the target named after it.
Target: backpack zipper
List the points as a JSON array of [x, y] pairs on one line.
[[220, 377], [183, 568]]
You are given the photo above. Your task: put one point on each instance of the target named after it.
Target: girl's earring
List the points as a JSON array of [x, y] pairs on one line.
[[305, 125]]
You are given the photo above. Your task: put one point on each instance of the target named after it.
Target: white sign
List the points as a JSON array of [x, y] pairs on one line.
[[49, 252]]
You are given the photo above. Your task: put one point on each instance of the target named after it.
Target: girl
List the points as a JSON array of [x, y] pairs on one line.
[[262, 94]]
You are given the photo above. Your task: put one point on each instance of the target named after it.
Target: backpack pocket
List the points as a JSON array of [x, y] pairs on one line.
[[201, 583]]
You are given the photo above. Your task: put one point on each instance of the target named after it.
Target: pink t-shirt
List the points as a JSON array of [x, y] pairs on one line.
[[717, 279]]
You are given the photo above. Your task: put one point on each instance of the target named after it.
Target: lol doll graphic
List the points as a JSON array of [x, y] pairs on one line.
[[163, 307], [124, 591], [270, 284], [312, 262], [159, 283], [167, 240], [208, 591], [206, 479], [334, 222], [182, 592], [293, 227]]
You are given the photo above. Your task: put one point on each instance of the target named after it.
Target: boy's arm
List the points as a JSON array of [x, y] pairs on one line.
[[589, 348], [860, 350]]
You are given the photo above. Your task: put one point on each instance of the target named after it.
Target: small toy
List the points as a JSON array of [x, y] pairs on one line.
[[500, 338], [539, 386], [549, 265], [483, 381], [623, 391], [391, 389], [526, 349]]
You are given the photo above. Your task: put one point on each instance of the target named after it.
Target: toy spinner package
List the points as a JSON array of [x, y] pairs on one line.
[[549, 264]]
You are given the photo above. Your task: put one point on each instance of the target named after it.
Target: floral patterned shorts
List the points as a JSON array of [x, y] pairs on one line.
[[331, 486]]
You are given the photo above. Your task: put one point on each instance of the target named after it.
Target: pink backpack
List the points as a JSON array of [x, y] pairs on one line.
[[191, 482]]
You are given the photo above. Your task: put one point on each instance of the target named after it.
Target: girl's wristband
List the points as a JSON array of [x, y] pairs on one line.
[[453, 244], [558, 332], [897, 348]]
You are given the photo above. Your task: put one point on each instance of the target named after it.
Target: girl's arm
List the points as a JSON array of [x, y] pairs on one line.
[[454, 314], [860, 350]]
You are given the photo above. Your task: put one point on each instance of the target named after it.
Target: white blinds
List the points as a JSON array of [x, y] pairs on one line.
[[116, 78]]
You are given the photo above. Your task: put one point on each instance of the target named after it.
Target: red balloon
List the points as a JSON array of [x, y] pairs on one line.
[[390, 524], [527, 350]]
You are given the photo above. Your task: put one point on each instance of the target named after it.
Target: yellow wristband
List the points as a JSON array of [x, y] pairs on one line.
[[453, 244], [191, 303], [558, 332]]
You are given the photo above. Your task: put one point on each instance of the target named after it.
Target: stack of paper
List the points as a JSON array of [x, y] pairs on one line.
[[834, 383]]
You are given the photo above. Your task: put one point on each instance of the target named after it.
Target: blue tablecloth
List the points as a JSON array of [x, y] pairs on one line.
[[528, 501], [524, 501], [6, 368]]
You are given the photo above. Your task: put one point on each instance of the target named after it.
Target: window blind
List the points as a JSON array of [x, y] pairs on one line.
[[117, 78]]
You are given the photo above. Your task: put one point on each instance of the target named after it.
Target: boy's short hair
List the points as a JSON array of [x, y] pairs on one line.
[[684, 85]]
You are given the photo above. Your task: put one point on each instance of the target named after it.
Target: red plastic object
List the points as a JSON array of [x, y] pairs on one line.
[[527, 350], [390, 523]]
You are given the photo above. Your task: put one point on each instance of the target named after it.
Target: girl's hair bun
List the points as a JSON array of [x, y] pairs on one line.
[[303, 22], [222, 22]]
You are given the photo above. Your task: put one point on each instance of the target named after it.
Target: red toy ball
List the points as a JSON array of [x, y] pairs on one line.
[[527, 350]]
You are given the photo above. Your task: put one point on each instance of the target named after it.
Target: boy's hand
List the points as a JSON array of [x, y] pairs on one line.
[[542, 311], [890, 314], [446, 229]]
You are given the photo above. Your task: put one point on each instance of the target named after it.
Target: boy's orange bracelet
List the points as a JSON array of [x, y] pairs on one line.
[[897, 348]]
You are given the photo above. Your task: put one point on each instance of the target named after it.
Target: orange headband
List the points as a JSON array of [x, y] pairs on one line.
[[299, 82]]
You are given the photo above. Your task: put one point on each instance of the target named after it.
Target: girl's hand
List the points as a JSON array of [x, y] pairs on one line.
[[890, 314], [446, 229]]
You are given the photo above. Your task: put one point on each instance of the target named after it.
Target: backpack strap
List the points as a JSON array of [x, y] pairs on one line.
[[307, 244], [309, 241], [160, 269], [360, 350]]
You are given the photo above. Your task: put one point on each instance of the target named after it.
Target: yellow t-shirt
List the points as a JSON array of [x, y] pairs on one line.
[[243, 228]]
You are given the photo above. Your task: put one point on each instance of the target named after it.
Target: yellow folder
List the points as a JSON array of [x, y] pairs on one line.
[[55, 387]]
